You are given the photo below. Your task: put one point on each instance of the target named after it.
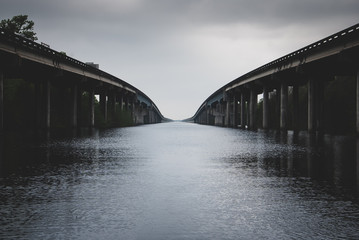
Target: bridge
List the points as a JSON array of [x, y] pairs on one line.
[[309, 69], [49, 70]]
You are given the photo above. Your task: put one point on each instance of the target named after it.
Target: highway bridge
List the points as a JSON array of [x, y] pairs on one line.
[[310, 68], [47, 69]]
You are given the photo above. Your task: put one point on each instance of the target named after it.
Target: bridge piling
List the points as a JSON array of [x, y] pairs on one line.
[[357, 102], [265, 107], [47, 104], [295, 112], [92, 107], [227, 113], [243, 110], [103, 104], [1, 102], [74, 104], [311, 112], [235, 111], [283, 106], [253, 109]]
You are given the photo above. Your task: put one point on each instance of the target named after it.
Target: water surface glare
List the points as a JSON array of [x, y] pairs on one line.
[[180, 181]]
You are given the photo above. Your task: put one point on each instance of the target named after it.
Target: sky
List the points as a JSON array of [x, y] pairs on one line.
[[178, 52]]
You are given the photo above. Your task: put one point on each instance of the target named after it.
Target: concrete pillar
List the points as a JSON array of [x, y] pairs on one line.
[[295, 108], [73, 114], [92, 107], [315, 105], [79, 105], [243, 111], [319, 98], [311, 121], [38, 106], [253, 110], [1, 102], [47, 105], [265, 108], [284, 106], [121, 102], [277, 108], [227, 113], [357, 103], [112, 103], [103, 104], [126, 104], [235, 112]]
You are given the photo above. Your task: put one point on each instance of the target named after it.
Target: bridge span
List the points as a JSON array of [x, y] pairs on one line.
[[309, 69], [47, 69]]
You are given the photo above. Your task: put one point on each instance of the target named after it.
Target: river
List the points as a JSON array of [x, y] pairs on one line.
[[179, 181]]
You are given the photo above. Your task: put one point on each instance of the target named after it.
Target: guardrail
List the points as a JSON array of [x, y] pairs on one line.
[[310, 49]]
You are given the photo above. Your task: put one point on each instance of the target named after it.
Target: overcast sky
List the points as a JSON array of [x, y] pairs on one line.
[[178, 52]]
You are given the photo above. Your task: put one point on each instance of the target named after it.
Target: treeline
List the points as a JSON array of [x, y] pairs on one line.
[[20, 108], [339, 107]]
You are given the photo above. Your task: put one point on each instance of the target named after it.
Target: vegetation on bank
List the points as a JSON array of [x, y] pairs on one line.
[[20, 25]]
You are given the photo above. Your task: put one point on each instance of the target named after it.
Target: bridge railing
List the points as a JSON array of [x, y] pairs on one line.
[[305, 51]]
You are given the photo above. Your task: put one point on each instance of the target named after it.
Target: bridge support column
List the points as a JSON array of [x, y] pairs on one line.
[[311, 104], [47, 105], [357, 104], [1, 102], [103, 104], [235, 112], [74, 104], [227, 122], [121, 101], [253, 110], [295, 108], [265, 108], [112, 104], [315, 105], [243, 110], [283, 106], [92, 107]]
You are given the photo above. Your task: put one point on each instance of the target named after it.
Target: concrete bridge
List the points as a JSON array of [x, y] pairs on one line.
[[311, 68], [48, 69]]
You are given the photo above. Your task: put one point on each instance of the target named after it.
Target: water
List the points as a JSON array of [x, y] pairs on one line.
[[179, 181]]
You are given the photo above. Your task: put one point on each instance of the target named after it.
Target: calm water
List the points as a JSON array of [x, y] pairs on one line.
[[179, 181]]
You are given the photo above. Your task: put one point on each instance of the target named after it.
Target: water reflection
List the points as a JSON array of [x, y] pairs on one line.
[[179, 181]]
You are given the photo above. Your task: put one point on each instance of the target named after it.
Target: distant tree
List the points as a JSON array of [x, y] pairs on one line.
[[20, 25]]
